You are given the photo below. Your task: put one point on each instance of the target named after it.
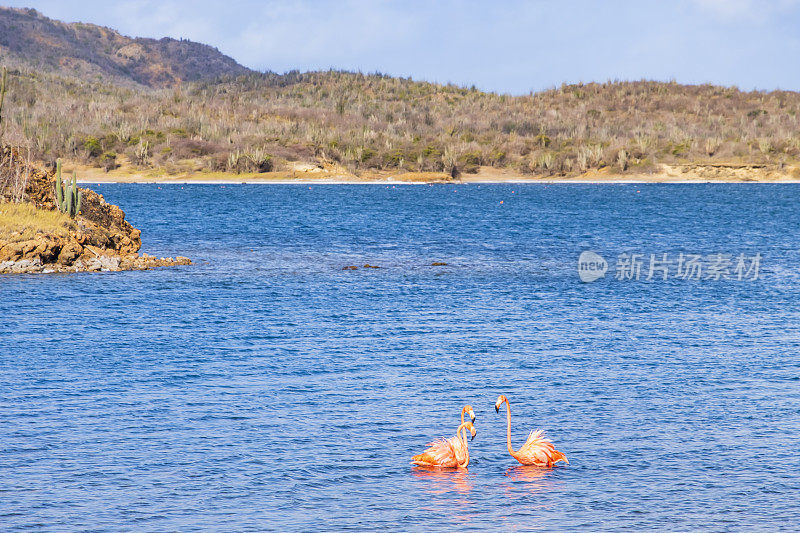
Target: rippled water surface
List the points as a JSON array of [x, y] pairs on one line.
[[266, 388]]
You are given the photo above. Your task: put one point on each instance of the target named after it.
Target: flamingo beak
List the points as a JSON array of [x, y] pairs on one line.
[[497, 409], [473, 437]]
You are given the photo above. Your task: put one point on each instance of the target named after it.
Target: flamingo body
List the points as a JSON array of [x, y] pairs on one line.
[[538, 451], [439, 453], [447, 453]]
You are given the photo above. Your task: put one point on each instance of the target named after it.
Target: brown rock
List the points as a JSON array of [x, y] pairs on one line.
[[46, 248], [27, 247], [69, 253], [127, 262], [11, 251], [94, 250]]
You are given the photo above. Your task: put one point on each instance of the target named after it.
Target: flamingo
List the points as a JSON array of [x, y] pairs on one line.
[[455, 442], [448, 453], [537, 450]]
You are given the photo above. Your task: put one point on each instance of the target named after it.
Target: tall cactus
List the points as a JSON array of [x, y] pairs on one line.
[[68, 199], [75, 197], [3, 88], [59, 186]]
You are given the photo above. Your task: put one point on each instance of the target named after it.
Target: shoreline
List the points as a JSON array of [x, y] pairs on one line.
[[311, 181], [689, 173]]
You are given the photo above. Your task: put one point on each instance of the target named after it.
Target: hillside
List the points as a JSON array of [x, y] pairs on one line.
[[367, 124], [92, 52]]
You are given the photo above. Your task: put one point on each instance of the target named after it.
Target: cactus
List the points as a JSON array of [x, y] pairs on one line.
[[68, 200], [59, 186], [3, 88], [75, 197]]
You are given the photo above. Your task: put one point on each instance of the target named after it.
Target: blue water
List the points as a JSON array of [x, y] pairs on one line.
[[264, 388]]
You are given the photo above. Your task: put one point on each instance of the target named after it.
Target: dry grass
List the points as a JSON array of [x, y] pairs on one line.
[[367, 123], [22, 222], [424, 177]]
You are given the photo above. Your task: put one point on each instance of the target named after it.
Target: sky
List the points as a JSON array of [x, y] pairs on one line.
[[508, 46]]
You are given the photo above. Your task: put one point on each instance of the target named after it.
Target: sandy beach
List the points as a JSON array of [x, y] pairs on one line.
[[694, 173]]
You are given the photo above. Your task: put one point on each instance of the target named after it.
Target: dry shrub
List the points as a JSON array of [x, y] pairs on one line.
[[194, 148], [374, 122], [15, 172]]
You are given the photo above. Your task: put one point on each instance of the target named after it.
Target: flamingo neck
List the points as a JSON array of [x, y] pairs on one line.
[[508, 428], [463, 427]]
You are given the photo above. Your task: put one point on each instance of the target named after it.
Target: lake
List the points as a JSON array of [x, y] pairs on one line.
[[266, 388]]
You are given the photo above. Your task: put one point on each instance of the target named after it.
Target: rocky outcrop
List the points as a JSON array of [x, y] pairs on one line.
[[99, 238], [60, 254]]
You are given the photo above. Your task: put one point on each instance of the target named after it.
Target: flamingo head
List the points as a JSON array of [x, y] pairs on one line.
[[471, 429], [468, 409], [499, 402]]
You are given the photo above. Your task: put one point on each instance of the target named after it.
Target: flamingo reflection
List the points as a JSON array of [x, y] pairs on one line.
[[443, 481], [534, 479]]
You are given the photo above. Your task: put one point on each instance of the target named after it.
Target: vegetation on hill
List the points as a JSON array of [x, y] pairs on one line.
[[260, 122]]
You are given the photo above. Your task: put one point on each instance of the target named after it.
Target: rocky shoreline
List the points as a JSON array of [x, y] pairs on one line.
[[97, 239], [32, 264]]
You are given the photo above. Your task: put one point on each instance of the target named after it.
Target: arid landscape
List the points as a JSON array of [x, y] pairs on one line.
[[123, 109]]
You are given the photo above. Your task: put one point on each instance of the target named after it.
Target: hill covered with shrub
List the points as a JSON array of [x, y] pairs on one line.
[[98, 53], [242, 121]]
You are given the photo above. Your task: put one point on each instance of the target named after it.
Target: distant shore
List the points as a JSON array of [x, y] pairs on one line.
[[690, 173], [235, 180]]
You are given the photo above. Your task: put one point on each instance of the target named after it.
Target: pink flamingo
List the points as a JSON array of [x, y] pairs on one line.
[[537, 450], [448, 453]]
